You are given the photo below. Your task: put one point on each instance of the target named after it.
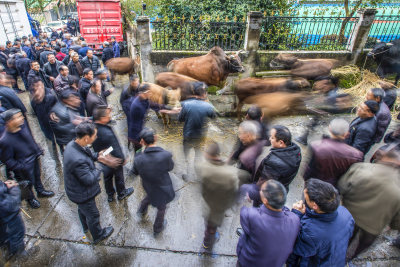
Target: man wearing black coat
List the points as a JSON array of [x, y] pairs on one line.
[[9, 98], [22, 63], [95, 98], [383, 116], [37, 73], [81, 180], [155, 180], [44, 54], [363, 128], [108, 52], [105, 139], [85, 83], [20, 153], [91, 61], [75, 66], [51, 67]]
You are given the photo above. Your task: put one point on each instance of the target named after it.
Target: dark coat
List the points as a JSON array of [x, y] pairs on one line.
[[10, 202], [269, 236], [95, 65], [84, 87], [43, 57], [106, 138], [362, 133], [331, 159], [47, 69], [156, 181], [61, 83], [23, 67], [93, 101], [126, 99], [107, 54], [42, 111], [81, 178], [54, 35], [383, 118], [115, 47], [10, 99], [390, 97], [323, 239], [41, 75], [281, 164], [83, 50], [64, 129], [73, 69]]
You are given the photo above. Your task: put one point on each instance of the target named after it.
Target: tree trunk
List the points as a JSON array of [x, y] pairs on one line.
[[349, 14]]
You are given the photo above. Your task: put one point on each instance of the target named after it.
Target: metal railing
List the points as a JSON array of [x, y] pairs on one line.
[[306, 33], [200, 35], [385, 29]]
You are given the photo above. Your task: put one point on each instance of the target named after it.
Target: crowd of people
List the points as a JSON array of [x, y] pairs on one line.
[[343, 197]]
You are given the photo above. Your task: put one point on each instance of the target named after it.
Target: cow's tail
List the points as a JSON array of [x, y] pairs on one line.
[[171, 65]]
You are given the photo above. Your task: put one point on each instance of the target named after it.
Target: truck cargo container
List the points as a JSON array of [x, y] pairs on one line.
[[13, 20]]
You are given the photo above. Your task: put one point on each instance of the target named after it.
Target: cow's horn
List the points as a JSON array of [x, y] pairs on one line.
[[238, 52], [389, 44], [378, 41]]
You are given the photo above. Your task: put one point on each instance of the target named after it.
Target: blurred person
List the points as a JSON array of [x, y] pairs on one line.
[[95, 98], [68, 57], [84, 49], [363, 128], [332, 157], [326, 227], [129, 93], [8, 47], [54, 34], [22, 64], [51, 68], [75, 45], [383, 116], [37, 73], [91, 61], [195, 111], [102, 74], [13, 72], [44, 55], [81, 179], [328, 86], [59, 55], [75, 66], [67, 39], [156, 182], [85, 84], [9, 98], [115, 47], [106, 138], [21, 154], [371, 192], [108, 52], [62, 82], [268, 232], [27, 48]]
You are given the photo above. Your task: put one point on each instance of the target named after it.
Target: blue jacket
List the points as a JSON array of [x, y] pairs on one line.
[[323, 239], [269, 236], [194, 113], [362, 133], [29, 53], [83, 50], [116, 49], [10, 201]]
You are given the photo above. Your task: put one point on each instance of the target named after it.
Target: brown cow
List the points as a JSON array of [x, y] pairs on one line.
[[212, 68], [164, 96], [122, 65], [175, 81], [305, 68], [253, 86]]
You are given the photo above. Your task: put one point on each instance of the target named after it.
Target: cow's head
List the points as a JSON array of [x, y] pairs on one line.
[[379, 49], [283, 61], [234, 63]]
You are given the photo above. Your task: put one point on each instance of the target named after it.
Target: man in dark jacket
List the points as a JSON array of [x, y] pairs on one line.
[[363, 128], [326, 227], [156, 181], [51, 67], [383, 116], [20, 153], [106, 139], [81, 180], [44, 54], [115, 47], [268, 232], [91, 61], [62, 82], [9, 98], [85, 84], [101, 74], [22, 63], [108, 52], [128, 94], [95, 98], [75, 66], [84, 49], [332, 157], [37, 73], [283, 161]]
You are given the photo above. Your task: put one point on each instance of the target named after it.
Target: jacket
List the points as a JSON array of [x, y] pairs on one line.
[[371, 192], [42, 111], [362, 133], [10, 202], [29, 52], [383, 118], [43, 57], [10, 100], [73, 69], [93, 101], [390, 97], [60, 56], [94, 65], [47, 69], [106, 138], [156, 182], [64, 129], [194, 113], [81, 178], [330, 159], [82, 51], [32, 75], [248, 156], [126, 99], [108, 53], [115, 49], [23, 66], [61, 83], [269, 236], [84, 87], [281, 164], [323, 239]]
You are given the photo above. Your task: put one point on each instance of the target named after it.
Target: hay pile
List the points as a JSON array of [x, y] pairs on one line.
[[349, 75], [370, 80]]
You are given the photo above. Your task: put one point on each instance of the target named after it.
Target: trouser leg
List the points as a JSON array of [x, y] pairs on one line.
[[15, 233], [61, 147], [209, 235], [28, 193], [108, 174], [159, 222], [3, 233], [92, 217], [119, 180], [144, 205], [82, 218], [37, 181], [365, 240], [136, 146]]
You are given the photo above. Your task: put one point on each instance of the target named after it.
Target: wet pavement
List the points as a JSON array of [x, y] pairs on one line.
[[56, 230]]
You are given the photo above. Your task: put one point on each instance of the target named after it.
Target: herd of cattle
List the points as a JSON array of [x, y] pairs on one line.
[[275, 96]]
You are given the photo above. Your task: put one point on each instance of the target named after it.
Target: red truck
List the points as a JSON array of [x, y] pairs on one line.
[[99, 20]]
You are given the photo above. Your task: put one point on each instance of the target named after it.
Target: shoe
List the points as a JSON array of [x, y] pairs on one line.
[[127, 192], [106, 233], [142, 215], [85, 231], [110, 198], [184, 177], [395, 242], [34, 203], [162, 229], [239, 231], [45, 193]]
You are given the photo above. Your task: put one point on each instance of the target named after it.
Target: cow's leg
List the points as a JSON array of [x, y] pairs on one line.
[[239, 110], [165, 122], [158, 115], [112, 76]]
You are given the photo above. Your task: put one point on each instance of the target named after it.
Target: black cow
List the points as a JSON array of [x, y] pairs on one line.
[[387, 57]]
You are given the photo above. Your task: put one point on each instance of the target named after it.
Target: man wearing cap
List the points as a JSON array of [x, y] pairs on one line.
[[62, 82], [20, 153], [115, 47], [383, 116], [156, 181], [91, 61], [363, 128], [84, 49], [108, 52]]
